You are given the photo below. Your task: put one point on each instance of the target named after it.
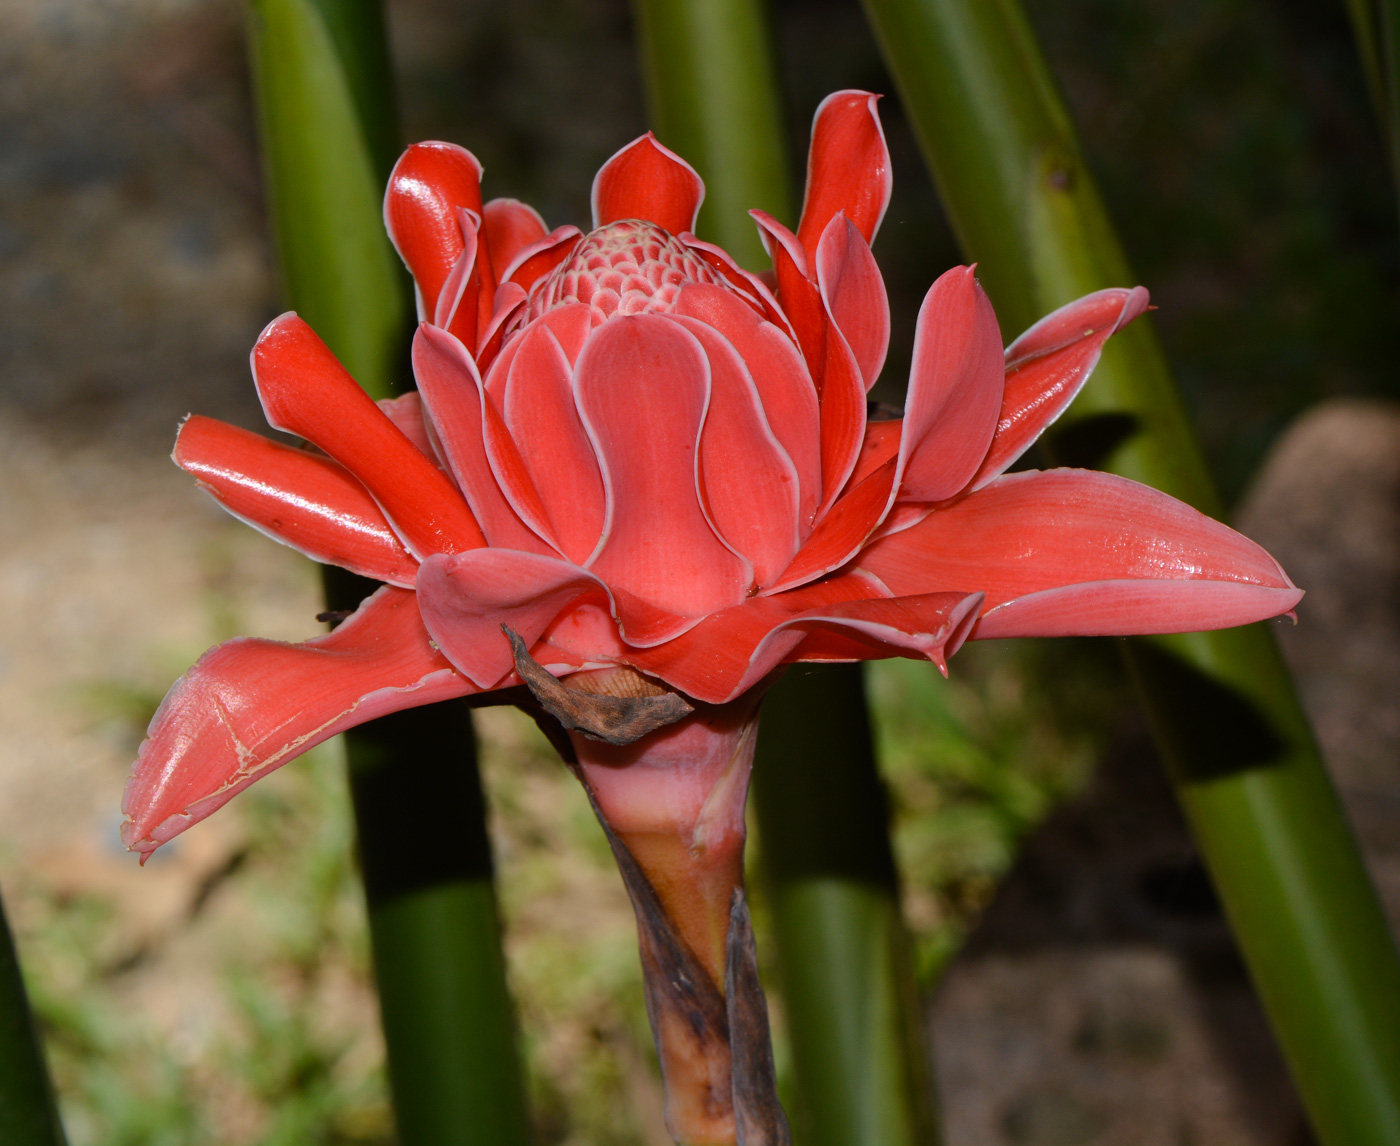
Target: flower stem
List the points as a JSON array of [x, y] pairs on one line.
[[1248, 772], [28, 1115], [672, 805], [840, 936], [329, 136]]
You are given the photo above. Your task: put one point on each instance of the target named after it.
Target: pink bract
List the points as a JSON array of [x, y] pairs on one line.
[[634, 452]]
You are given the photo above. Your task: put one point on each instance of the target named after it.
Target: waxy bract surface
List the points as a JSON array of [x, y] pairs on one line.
[[634, 452]]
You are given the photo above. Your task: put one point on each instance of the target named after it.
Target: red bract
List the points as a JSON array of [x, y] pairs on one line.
[[634, 453]]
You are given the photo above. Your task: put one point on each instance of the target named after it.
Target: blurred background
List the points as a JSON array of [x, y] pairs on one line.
[[1083, 986]]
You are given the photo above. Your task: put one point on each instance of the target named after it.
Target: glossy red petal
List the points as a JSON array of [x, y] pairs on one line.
[[647, 181], [1048, 365], [451, 391], [1027, 533], [931, 626], [656, 544], [841, 395], [249, 706], [538, 259], [848, 167], [540, 413], [797, 290], [833, 367], [955, 389], [510, 226], [854, 294], [458, 306], [306, 392], [780, 374], [749, 484], [1122, 608], [428, 185], [466, 597], [840, 534], [733, 650], [296, 497]]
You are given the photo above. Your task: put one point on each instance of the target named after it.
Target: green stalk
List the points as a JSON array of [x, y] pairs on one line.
[[28, 1114], [851, 1000], [1247, 770], [1376, 24], [862, 1074], [325, 96], [1365, 26], [1389, 84]]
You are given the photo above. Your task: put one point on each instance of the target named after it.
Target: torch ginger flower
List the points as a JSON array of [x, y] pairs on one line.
[[640, 480]]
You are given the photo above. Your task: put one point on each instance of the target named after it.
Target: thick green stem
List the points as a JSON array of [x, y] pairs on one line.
[[1003, 152], [28, 1114], [1389, 86], [434, 924], [1376, 24], [844, 954], [848, 985], [325, 97]]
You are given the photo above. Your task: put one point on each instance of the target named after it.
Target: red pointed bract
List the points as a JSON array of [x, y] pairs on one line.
[[307, 392], [780, 376], [540, 413], [1031, 532], [249, 706], [449, 385], [429, 184], [308, 502], [840, 535], [732, 650], [467, 597], [647, 181], [848, 167], [797, 290], [955, 389], [854, 295], [510, 226], [463, 295], [749, 484], [841, 396], [1047, 367], [656, 543], [1127, 607]]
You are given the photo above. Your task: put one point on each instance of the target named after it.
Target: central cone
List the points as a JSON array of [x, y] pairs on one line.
[[627, 267]]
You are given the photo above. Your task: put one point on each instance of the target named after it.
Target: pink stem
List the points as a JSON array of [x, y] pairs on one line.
[[675, 801]]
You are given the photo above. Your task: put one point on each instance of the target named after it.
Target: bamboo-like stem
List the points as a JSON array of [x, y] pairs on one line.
[[843, 951], [325, 96], [1388, 84], [862, 1070], [1246, 767], [1365, 26], [28, 1113]]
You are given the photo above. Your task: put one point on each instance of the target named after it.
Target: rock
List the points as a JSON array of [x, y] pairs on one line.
[[1326, 503]]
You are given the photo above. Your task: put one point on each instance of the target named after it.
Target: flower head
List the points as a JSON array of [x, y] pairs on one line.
[[632, 452]]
